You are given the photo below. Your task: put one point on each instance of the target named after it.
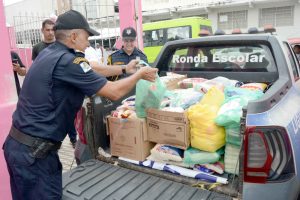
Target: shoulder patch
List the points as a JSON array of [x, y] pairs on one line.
[[79, 60], [85, 67]]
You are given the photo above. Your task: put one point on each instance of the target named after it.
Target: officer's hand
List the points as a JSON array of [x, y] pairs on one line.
[[132, 66], [148, 73]]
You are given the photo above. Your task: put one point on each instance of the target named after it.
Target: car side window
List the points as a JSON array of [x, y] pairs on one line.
[[292, 59]]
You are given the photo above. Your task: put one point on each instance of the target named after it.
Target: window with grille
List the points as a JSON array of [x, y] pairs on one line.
[[277, 16], [231, 20]]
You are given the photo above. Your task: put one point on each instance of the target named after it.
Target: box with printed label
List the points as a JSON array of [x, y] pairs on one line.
[[128, 138], [171, 128]]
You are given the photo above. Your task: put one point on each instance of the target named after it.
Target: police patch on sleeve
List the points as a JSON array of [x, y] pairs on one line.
[[84, 64], [85, 67]]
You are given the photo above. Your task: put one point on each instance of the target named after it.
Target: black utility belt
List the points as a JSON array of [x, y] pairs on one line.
[[39, 147]]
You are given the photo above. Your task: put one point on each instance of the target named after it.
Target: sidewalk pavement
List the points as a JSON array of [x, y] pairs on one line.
[[66, 155]]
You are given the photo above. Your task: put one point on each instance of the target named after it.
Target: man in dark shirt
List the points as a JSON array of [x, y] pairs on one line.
[[52, 93], [48, 38], [18, 68]]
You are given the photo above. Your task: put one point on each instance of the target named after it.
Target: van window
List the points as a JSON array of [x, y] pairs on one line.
[[178, 33], [207, 28], [153, 38], [256, 58]]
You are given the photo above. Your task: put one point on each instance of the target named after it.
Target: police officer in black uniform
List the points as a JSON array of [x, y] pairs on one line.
[[52, 93], [128, 51]]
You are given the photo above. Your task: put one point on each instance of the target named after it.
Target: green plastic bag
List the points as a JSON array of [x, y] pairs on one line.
[[193, 156], [231, 111], [233, 135], [148, 95]]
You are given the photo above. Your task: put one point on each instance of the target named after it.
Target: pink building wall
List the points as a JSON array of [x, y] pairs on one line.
[[8, 99]]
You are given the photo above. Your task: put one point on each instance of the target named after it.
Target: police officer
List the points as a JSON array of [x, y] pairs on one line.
[[52, 93], [128, 51]]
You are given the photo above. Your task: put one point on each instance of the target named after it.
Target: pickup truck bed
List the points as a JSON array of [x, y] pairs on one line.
[[98, 180]]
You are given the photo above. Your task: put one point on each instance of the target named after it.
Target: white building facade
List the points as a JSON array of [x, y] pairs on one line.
[[224, 14], [230, 14]]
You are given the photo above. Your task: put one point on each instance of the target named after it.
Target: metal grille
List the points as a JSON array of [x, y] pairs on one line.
[[277, 16], [101, 16], [28, 30], [231, 20]]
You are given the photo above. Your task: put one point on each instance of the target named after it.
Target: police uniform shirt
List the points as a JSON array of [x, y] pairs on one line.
[[120, 57], [53, 91]]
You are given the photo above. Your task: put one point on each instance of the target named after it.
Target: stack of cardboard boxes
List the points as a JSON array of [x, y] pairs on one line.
[[134, 138]]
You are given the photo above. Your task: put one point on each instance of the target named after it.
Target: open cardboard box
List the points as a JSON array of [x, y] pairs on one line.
[[128, 138]]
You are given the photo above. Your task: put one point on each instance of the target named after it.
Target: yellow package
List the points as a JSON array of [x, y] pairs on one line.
[[205, 134]]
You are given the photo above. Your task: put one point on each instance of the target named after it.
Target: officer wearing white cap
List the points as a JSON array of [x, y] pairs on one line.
[[52, 93], [128, 51]]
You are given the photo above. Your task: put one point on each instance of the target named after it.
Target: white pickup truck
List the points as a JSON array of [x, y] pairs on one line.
[[270, 127]]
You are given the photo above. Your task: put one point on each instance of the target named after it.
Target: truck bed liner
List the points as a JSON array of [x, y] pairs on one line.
[[96, 180]]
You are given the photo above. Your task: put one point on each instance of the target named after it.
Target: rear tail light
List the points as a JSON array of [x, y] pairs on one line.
[[267, 153]]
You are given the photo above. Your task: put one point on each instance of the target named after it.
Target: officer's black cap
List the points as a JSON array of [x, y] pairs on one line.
[[73, 20], [129, 33]]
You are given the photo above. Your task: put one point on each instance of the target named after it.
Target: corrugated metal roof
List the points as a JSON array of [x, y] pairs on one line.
[[97, 180]]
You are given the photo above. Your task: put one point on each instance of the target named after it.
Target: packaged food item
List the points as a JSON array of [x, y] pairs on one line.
[[166, 152], [255, 86]]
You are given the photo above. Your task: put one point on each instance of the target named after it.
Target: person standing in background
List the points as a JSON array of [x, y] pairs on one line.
[[18, 68], [99, 51], [128, 51], [48, 38]]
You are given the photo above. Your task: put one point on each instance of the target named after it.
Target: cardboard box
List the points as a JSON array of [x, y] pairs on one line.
[[128, 138], [170, 128]]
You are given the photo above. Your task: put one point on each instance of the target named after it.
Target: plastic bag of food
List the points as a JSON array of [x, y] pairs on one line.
[[166, 152], [255, 86], [233, 135], [231, 159], [190, 82], [219, 82], [250, 95], [184, 98], [194, 156], [206, 135], [231, 111], [148, 95]]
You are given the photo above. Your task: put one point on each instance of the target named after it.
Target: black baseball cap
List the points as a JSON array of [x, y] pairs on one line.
[[129, 33], [73, 19]]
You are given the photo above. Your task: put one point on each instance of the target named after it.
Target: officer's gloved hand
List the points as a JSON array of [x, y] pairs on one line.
[[148, 73], [132, 66]]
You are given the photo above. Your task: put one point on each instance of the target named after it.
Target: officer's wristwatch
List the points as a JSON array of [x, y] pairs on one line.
[[124, 69]]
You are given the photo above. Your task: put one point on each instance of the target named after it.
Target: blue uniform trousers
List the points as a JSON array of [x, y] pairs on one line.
[[32, 178]]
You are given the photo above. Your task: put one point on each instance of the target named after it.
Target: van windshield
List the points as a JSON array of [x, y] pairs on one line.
[[256, 58]]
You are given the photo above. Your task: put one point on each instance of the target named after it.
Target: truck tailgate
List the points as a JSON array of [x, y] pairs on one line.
[[98, 180]]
